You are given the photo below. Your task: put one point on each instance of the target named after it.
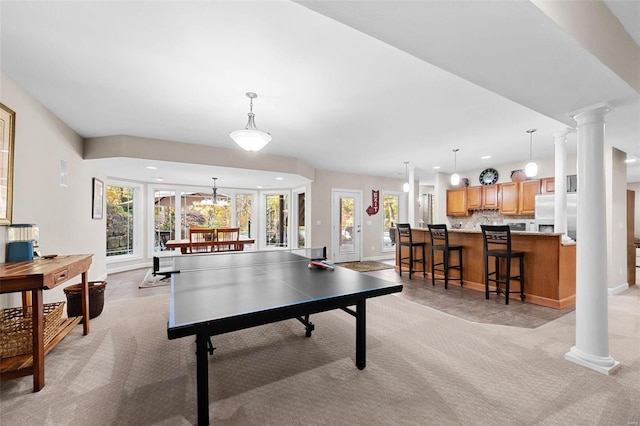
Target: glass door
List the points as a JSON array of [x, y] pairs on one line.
[[346, 218]]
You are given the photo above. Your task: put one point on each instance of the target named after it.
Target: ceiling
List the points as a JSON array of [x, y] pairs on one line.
[[359, 87]]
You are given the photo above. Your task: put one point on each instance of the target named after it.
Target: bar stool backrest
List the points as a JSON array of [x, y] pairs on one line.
[[404, 234], [496, 238], [439, 235]]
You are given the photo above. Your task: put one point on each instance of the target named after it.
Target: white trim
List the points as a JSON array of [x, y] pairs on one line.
[[127, 268], [618, 289], [138, 220]]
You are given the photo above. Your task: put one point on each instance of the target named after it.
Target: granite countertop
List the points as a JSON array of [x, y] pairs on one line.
[[537, 234]]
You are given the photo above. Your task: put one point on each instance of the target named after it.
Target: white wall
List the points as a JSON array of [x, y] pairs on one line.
[[63, 214], [616, 217], [636, 188], [321, 209]]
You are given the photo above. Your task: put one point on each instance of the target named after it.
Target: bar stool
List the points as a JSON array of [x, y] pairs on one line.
[[405, 239], [440, 242], [497, 244]]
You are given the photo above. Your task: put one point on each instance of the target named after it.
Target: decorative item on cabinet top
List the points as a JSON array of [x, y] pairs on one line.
[[464, 182], [518, 175]]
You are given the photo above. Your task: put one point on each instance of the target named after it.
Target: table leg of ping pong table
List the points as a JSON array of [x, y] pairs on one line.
[[361, 334], [202, 378]]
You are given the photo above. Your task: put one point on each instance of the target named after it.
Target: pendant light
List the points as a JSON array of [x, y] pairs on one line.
[[406, 186], [455, 177], [214, 195], [250, 138], [531, 169]]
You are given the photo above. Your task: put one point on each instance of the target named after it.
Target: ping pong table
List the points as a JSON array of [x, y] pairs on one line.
[[213, 294]]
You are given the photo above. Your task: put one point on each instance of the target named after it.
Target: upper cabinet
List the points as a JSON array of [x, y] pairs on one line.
[[527, 199], [490, 197], [547, 185], [457, 202], [519, 198], [482, 197], [509, 198], [474, 198]]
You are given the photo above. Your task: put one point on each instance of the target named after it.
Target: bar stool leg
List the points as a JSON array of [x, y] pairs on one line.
[[445, 262], [433, 267], [486, 276], [508, 282], [424, 263], [460, 263], [522, 278], [410, 261]]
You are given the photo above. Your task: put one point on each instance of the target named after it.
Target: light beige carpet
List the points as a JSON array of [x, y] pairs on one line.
[[424, 367]]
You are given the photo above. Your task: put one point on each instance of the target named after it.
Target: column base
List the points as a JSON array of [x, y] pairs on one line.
[[604, 365]]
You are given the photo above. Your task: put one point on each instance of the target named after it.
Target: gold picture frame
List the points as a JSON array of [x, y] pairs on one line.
[[7, 139]]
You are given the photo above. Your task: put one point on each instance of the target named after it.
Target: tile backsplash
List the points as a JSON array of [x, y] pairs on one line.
[[485, 217]]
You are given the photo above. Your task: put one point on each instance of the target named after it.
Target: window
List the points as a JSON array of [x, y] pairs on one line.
[[123, 220], [390, 217], [244, 210], [277, 220], [201, 210], [300, 225], [175, 211]]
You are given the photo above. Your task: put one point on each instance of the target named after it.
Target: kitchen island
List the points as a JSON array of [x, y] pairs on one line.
[[550, 265]]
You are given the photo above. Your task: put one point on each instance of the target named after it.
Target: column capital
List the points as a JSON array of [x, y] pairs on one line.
[[561, 135], [590, 113]]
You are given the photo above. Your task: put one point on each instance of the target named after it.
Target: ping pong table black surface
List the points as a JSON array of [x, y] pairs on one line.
[[220, 293]]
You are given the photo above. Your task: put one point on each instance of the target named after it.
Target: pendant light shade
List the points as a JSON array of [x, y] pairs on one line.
[[455, 177], [531, 169], [250, 138], [406, 186]]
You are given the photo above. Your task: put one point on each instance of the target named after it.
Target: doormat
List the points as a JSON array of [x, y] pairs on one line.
[[366, 266], [150, 280]]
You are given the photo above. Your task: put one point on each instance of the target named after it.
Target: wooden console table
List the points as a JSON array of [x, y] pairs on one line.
[[34, 276]]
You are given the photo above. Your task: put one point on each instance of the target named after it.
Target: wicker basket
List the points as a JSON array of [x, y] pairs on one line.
[[16, 332], [96, 299]]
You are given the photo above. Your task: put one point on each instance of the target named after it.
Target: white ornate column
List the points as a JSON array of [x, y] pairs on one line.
[[592, 326], [560, 183], [411, 202]]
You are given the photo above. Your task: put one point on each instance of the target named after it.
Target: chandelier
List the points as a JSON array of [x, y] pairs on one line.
[[250, 138]]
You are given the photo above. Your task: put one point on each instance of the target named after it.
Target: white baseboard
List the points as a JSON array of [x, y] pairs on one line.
[[618, 289], [130, 267]]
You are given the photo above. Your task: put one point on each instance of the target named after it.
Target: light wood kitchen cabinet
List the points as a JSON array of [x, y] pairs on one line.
[[474, 198], [527, 196], [509, 198], [547, 185], [457, 202], [490, 197]]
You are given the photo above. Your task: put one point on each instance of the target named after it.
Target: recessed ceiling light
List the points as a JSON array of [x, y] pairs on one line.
[[159, 179], [279, 178], [436, 167], [630, 160], [485, 157], [260, 186], [152, 168]]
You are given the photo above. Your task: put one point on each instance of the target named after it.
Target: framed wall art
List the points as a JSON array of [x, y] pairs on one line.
[[98, 199], [7, 135]]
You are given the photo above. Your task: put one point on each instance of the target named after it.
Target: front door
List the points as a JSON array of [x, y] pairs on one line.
[[346, 225]]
